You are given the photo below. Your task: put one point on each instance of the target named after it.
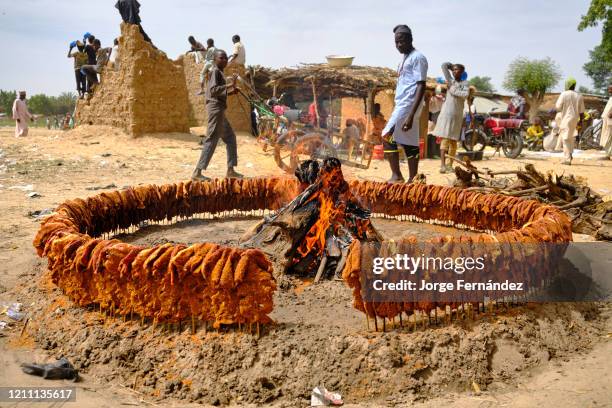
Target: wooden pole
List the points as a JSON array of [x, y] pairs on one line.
[[424, 124], [316, 106]]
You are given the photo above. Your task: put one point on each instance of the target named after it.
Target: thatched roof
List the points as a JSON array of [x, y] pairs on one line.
[[260, 76], [353, 81]]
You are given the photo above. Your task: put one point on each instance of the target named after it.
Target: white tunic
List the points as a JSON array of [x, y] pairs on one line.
[[412, 69], [606, 126]]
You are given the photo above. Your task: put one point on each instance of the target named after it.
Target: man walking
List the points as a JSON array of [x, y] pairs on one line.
[[218, 126], [571, 106], [21, 115], [401, 128]]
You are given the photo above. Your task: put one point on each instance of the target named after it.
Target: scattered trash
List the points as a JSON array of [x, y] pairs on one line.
[[94, 188], [34, 194], [12, 310], [249, 165], [15, 315], [38, 214], [27, 187], [320, 397], [60, 370], [3, 325], [106, 155], [103, 163], [476, 388]]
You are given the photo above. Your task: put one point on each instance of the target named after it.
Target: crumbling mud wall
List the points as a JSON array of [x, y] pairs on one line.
[[197, 105], [238, 108], [145, 94]]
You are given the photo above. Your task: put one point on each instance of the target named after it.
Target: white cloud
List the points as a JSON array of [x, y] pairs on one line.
[[484, 35]]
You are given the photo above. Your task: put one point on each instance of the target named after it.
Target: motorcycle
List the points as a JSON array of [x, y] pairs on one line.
[[495, 132]]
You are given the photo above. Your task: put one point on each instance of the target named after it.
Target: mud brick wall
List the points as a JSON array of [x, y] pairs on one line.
[[238, 108], [146, 94]]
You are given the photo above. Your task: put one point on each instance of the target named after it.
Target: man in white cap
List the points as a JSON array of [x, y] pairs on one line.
[[21, 115], [403, 128], [571, 106]]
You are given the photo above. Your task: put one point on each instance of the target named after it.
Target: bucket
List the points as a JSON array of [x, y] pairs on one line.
[[379, 152]]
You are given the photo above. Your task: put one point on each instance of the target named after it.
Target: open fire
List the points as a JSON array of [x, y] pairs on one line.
[[313, 232]]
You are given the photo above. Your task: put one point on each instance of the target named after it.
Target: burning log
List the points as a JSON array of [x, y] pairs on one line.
[[313, 232]]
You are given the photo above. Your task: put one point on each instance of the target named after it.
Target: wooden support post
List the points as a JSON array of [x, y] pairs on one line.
[[423, 125], [316, 105]]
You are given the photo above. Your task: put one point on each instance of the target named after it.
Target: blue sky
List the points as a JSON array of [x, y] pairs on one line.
[[485, 35]]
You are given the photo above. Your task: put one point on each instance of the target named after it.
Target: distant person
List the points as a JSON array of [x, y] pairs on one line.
[[535, 134], [48, 123], [351, 136], [88, 40], [114, 56], [130, 13], [218, 126], [403, 126], [378, 124], [208, 63], [89, 48], [571, 106], [518, 105], [92, 71], [450, 120], [606, 126], [435, 104], [197, 49], [21, 115], [239, 54], [80, 59]]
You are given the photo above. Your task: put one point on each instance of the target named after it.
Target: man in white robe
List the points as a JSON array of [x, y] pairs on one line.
[[571, 106], [21, 115], [606, 126], [403, 126]]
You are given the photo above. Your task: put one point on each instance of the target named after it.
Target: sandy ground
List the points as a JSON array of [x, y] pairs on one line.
[[60, 165]]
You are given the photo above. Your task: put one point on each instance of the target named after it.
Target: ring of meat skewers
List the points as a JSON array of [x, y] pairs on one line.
[[226, 285]]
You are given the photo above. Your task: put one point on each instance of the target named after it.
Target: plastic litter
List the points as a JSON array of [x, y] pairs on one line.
[[60, 370], [320, 397], [12, 310]]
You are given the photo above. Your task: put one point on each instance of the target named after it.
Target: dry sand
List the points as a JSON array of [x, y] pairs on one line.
[[550, 356]]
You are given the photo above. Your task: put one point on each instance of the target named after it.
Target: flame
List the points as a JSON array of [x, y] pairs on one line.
[[332, 197]]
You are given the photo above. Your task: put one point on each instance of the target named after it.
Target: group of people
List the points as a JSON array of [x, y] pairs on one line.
[[89, 61], [206, 54], [90, 58]]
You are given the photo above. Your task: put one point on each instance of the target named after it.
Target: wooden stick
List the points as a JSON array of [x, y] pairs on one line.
[[527, 191]]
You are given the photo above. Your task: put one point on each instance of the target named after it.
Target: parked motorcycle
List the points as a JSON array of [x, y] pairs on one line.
[[495, 132]]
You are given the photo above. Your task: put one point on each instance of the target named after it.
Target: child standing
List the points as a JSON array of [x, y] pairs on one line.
[[450, 120]]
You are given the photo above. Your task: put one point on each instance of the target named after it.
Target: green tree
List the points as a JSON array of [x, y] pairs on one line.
[[41, 104], [599, 68], [6, 101], [65, 103], [535, 77], [482, 84]]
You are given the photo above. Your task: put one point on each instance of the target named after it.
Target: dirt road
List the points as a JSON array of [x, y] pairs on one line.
[[60, 165]]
